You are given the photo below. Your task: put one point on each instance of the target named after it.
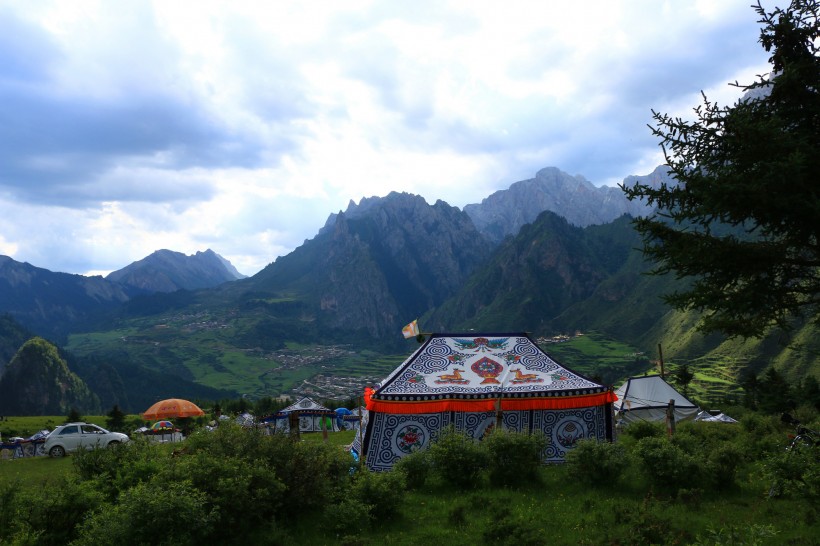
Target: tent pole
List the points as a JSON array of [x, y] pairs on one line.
[[361, 420], [660, 359]]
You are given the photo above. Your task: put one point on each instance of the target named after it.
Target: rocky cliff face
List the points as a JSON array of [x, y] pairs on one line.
[[381, 264], [530, 279], [572, 197], [168, 271]]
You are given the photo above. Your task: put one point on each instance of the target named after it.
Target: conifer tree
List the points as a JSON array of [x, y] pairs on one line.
[[742, 221]]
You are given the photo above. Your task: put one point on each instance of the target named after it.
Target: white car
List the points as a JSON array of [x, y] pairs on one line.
[[73, 436]]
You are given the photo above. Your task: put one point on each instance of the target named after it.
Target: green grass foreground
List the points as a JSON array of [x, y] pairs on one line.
[[233, 485]]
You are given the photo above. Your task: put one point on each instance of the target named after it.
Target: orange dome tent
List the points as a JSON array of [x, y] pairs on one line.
[[173, 407]]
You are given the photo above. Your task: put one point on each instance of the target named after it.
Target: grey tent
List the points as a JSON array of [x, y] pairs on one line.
[[646, 398]]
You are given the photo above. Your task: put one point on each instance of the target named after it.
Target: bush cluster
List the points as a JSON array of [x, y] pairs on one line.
[[455, 459], [235, 485], [226, 486]]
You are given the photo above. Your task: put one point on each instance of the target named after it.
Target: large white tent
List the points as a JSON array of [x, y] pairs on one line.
[[646, 398]]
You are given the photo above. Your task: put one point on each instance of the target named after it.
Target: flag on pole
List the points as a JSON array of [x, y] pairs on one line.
[[411, 330]]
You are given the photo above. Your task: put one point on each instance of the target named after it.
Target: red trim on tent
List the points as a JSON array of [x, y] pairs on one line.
[[489, 404]]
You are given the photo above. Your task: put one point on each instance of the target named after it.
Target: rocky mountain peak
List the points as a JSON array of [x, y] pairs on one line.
[[167, 271], [573, 197]]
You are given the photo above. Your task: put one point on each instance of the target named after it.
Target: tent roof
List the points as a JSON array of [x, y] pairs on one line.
[[306, 405], [707, 417], [649, 392], [476, 367]]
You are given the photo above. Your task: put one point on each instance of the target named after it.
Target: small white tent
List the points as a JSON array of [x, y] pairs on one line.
[[312, 417], [646, 399]]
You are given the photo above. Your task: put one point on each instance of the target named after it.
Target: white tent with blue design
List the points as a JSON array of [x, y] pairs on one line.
[[311, 415], [473, 381]]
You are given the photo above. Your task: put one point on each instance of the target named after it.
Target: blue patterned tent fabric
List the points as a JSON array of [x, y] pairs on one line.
[[474, 381]]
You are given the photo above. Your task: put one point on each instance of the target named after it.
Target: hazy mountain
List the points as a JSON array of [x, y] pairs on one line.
[[51, 304], [37, 381], [573, 197], [168, 271]]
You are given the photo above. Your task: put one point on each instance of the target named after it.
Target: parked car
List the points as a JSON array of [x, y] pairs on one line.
[[73, 436]]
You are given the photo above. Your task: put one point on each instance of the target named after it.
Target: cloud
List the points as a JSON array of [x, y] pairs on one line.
[[131, 127]]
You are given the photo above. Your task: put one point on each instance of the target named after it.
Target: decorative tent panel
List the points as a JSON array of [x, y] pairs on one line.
[[464, 379], [390, 437], [468, 367], [563, 428]]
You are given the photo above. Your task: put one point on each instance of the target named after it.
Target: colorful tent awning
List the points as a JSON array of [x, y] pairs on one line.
[[463, 372]]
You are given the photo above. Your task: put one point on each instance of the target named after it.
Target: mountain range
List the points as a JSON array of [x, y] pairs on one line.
[[551, 254]]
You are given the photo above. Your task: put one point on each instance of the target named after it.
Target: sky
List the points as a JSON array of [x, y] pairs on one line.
[[132, 126]]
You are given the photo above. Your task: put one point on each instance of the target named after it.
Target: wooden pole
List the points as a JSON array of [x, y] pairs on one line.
[[660, 359], [670, 418], [499, 414], [324, 427], [293, 424]]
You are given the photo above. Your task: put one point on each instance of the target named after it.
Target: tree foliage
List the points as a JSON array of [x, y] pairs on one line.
[[742, 221]]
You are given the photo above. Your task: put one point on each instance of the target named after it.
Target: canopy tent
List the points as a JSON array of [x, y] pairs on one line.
[[646, 398], [462, 379], [172, 408], [311, 415]]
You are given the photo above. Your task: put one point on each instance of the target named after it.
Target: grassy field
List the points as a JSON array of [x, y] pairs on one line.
[[594, 355], [26, 426]]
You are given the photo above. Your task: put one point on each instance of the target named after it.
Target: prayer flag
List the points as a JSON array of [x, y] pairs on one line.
[[411, 330]]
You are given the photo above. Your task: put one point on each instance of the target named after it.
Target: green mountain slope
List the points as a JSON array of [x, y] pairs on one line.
[[37, 381]]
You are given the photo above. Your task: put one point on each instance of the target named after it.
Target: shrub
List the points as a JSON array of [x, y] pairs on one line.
[[384, 491], [458, 459], [314, 474], [54, 512], [596, 463], [518, 531], [514, 457], [229, 440], [119, 467], [416, 467], [151, 513], [666, 465], [348, 516], [795, 473], [644, 429], [722, 465], [242, 494]]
